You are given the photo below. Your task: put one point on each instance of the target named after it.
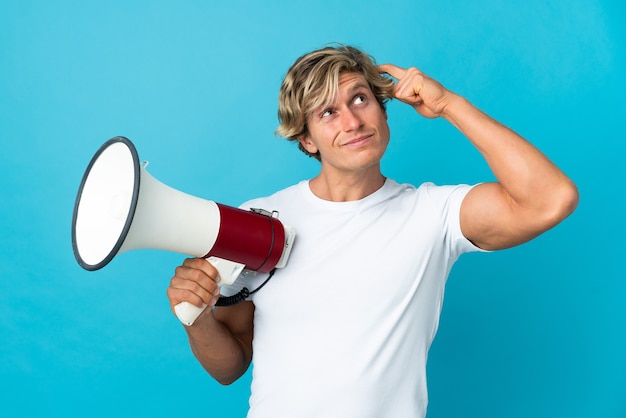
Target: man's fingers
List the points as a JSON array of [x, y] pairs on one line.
[[393, 70], [193, 286], [194, 281], [202, 264], [409, 82]]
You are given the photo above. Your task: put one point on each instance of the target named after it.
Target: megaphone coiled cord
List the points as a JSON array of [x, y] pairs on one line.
[[243, 294]]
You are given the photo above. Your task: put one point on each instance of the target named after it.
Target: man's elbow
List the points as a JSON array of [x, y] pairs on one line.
[[226, 381], [564, 202], [227, 377]]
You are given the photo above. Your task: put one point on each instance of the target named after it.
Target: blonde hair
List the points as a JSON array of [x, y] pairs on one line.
[[313, 81]]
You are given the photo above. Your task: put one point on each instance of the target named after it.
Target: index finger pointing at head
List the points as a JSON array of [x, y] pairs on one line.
[[392, 70]]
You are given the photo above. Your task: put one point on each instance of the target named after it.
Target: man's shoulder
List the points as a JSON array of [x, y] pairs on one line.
[[439, 189], [425, 187], [430, 192]]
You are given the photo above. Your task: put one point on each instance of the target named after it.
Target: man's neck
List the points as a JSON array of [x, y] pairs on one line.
[[346, 187]]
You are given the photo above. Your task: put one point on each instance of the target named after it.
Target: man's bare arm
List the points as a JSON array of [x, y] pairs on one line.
[[221, 339], [531, 195]]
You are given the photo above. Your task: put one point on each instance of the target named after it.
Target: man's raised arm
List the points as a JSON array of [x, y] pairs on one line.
[[531, 195]]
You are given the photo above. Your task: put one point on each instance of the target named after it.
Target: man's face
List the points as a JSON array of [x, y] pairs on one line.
[[352, 133]]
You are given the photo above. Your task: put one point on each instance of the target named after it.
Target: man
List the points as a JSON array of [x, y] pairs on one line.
[[344, 330]]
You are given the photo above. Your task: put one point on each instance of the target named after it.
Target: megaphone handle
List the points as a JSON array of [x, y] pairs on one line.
[[228, 273], [187, 313]]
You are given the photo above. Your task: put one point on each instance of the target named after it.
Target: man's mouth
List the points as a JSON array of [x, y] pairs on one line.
[[358, 140]]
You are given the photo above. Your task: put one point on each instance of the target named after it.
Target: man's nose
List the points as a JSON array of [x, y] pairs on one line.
[[350, 120]]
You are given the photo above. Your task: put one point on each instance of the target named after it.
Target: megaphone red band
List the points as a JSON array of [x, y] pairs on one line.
[[250, 238]]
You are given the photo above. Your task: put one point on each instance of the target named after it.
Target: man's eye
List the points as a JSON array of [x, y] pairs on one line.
[[360, 99], [326, 113]]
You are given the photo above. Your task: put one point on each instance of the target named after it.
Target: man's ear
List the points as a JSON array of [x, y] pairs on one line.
[[307, 144]]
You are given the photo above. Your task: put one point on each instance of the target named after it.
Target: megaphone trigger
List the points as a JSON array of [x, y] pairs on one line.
[[228, 270]]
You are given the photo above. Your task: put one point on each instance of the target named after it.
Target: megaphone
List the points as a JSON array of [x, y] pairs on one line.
[[120, 207]]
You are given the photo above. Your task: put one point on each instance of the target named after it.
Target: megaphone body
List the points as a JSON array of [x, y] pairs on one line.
[[120, 207]]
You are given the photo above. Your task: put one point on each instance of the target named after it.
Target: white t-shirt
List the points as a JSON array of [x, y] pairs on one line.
[[344, 329]]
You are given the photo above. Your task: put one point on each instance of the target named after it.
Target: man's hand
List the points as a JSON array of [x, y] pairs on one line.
[[195, 281], [427, 96]]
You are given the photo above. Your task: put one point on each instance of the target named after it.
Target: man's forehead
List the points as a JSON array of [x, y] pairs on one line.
[[352, 80]]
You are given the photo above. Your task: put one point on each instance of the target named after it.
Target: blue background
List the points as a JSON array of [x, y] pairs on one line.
[[538, 330]]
